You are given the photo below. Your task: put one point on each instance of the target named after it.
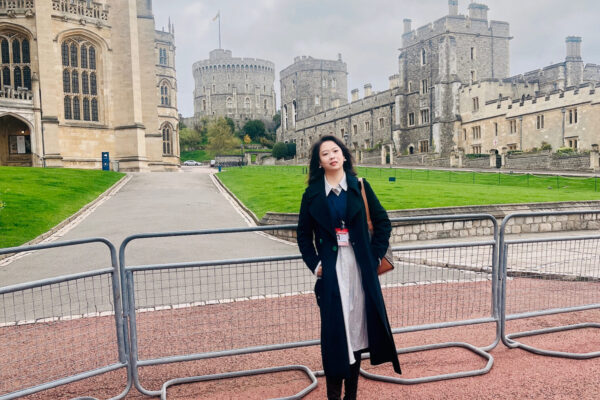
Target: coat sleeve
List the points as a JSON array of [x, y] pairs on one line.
[[382, 227], [305, 236]]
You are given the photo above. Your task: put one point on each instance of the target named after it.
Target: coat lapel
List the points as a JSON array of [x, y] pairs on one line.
[[319, 208]]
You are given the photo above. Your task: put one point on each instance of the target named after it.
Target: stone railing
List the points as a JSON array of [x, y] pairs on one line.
[[81, 8], [11, 8], [16, 4], [16, 94]]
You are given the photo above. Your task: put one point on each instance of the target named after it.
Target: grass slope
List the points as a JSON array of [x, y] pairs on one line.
[[280, 189], [36, 199]]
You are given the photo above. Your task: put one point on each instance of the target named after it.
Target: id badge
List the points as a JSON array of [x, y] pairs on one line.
[[343, 237]]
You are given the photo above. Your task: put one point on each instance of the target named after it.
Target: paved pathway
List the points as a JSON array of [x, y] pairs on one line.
[[151, 202]]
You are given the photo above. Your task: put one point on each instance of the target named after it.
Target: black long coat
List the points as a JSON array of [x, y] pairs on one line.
[[316, 229]]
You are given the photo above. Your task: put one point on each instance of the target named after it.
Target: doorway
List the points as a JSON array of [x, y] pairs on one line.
[[15, 142]]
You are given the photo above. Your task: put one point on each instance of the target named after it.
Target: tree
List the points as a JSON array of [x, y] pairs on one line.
[[247, 139], [279, 150], [230, 123], [220, 137], [189, 139], [255, 129], [276, 121]]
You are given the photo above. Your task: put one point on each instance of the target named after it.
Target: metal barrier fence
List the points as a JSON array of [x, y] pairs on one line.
[[61, 330], [549, 276], [233, 307], [209, 309]]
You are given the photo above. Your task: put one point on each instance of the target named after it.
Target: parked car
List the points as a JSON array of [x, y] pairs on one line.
[[191, 163]]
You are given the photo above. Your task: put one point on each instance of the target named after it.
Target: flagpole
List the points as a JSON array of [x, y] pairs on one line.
[[219, 29]]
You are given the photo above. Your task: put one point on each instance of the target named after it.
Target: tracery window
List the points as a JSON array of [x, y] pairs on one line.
[[167, 136], [80, 84], [165, 99], [16, 61]]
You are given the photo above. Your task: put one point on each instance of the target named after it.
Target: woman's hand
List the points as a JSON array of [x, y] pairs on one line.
[[319, 272]]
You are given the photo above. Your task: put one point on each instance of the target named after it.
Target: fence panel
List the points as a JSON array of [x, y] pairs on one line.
[[549, 276], [229, 307], [61, 330]]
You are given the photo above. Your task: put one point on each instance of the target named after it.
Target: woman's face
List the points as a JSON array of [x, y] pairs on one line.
[[331, 157]]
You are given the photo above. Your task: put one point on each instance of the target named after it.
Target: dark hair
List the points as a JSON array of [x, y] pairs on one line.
[[314, 172]]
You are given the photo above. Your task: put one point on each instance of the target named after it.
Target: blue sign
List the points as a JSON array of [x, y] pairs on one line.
[[392, 179], [105, 161]]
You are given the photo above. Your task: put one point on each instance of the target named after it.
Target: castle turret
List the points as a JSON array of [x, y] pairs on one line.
[[310, 86]]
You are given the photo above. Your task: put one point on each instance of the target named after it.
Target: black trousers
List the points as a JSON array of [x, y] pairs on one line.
[[334, 384]]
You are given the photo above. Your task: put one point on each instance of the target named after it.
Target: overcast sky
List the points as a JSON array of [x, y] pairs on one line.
[[366, 32]]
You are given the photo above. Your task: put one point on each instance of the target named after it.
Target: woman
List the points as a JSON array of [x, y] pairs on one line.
[[334, 241]]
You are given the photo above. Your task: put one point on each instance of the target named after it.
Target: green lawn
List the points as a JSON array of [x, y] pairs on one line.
[[36, 199], [196, 155], [280, 188]]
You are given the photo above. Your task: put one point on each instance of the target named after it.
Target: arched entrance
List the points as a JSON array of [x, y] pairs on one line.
[[15, 142]]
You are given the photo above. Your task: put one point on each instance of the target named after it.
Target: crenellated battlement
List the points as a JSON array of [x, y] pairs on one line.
[[365, 104], [307, 63], [529, 101], [222, 60]]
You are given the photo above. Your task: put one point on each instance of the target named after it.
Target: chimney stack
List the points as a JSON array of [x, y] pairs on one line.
[[407, 27], [478, 11], [573, 48], [354, 94], [368, 90], [452, 7]]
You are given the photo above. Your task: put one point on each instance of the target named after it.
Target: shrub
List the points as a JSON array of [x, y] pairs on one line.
[[546, 146], [279, 150], [266, 142], [565, 151], [291, 150]]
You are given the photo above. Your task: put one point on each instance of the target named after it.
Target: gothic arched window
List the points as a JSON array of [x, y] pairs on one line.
[[26, 52], [80, 84], [167, 139], [15, 58], [18, 77], [85, 83], [68, 114], [165, 99], [84, 56], [5, 52], [86, 109]]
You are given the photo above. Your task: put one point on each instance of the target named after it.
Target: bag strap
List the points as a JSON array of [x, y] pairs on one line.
[[364, 196]]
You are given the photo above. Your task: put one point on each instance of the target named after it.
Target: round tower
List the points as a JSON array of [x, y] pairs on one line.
[[239, 88], [310, 86]]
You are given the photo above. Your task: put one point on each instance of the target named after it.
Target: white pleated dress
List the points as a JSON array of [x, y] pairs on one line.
[[351, 290]]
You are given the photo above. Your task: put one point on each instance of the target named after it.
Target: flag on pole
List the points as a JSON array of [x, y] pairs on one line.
[[217, 16]]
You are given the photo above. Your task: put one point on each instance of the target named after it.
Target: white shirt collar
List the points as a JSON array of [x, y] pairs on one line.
[[343, 185]]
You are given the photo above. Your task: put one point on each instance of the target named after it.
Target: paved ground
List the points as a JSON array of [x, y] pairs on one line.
[[156, 202]]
